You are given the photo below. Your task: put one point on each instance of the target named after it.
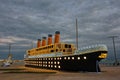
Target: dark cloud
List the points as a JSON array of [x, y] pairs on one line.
[[23, 21]]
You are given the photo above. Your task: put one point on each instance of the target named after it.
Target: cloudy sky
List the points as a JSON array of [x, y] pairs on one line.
[[22, 22]]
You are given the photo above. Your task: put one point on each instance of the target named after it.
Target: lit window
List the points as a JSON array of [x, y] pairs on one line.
[[51, 58], [48, 65], [55, 58], [85, 57], [73, 58], [58, 62], [64, 57], [55, 66], [54, 62], [60, 58], [51, 62], [51, 65], [68, 58], [59, 67], [78, 58]]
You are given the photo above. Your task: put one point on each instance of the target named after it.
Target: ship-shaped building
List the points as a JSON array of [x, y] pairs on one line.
[[63, 56]]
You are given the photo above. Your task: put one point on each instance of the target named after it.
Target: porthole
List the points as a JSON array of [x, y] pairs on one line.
[[60, 58], [65, 58], [55, 66], [58, 62], [85, 57], [59, 67], [73, 58], [68, 58], [78, 58]]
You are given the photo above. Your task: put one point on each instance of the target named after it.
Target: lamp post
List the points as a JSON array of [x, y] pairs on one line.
[[76, 34], [9, 48], [113, 38]]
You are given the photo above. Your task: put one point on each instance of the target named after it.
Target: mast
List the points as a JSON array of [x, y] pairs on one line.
[[9, 48], [76, 34]]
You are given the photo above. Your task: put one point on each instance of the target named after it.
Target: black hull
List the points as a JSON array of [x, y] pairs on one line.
[[83, 62]]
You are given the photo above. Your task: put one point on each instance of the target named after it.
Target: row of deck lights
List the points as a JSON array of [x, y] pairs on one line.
[[51, 66], [45, 65], [44, 62], [74, 58], [50, 62], [59, 58]]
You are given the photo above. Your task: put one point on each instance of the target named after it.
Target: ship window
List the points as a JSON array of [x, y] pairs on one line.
[[52, 50], [58, 62], [48, 65], [60, 58], [36, 49], [56, 50], [68, 58], [51, 46], [48, 47], [55, 66], [65, 45], [69, 46], [59, 67], [51, 66], [78, 58], [64, 57], [73, 58], [85, 57], [64, 50], [51, 62]]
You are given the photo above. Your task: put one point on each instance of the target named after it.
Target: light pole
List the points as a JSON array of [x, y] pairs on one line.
[[113, 38], [76, 34], [9, 48]]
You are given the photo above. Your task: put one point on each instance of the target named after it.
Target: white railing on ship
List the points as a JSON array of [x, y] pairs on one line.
[[92, 48], [46, 55]]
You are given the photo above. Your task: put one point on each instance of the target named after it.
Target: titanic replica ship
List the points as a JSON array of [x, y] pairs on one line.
[[64, 56]]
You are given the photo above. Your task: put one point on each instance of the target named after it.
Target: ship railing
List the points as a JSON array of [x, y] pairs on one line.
[[46, 55], [92, 48]]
